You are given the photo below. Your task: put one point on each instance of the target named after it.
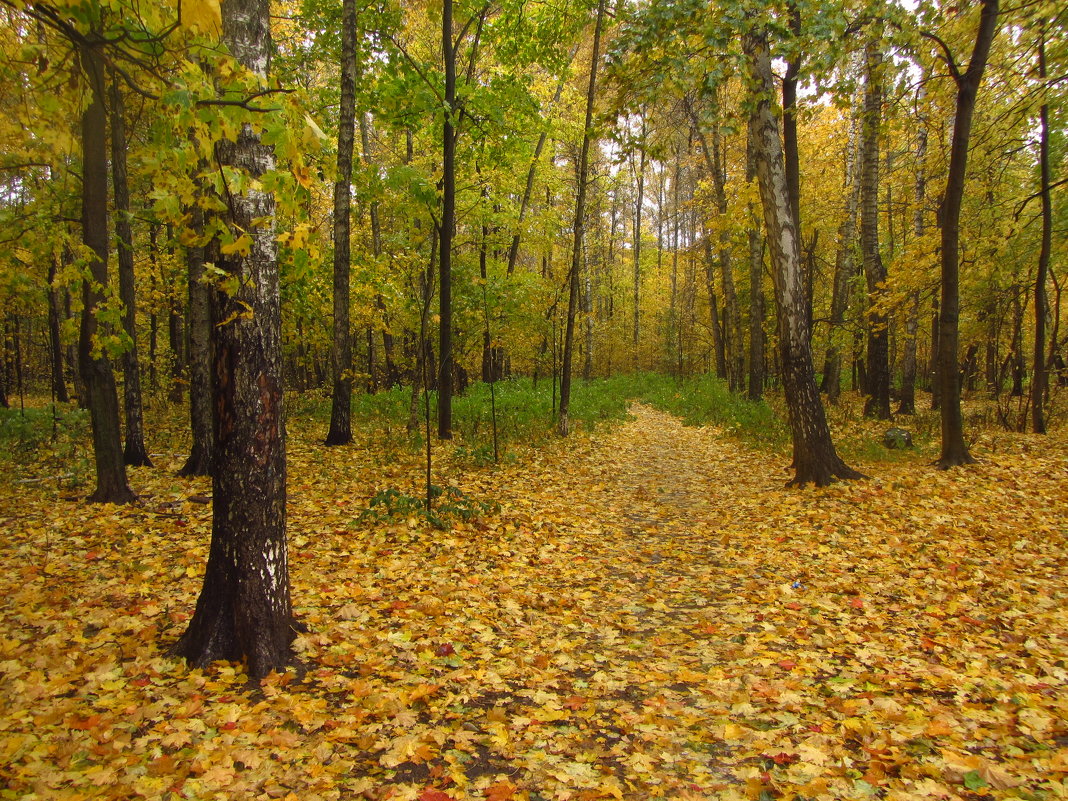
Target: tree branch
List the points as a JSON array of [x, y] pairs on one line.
[[947, 54]]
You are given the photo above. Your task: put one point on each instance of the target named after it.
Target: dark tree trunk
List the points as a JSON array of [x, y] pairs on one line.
[[1038, 376], [756, 315], [954, 451], [101, 395], [135, 454], [907, 404], [55, 344], [878, 372], [176, 341], [153, 319], [244, 610], [1016, 358], [447, 228], [933, 369], [341, 354], [563, 421], [713, 312], [200, 315], [815, 459]]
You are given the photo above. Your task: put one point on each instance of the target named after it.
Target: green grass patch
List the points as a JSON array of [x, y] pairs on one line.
[[706, 400]]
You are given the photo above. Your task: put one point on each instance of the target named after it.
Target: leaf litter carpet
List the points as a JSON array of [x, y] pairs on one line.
[[650, 614]]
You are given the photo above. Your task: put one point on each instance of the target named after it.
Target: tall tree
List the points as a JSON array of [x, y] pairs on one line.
[[638, 205], [954, 451], [843, 265], [341, 354], [244, 611], [135, 453], [447, 227], [912, 322], [581, 172], [756, 314], [199, 319], [878, 373], [102, 396], [815, 459], [1038, 375]]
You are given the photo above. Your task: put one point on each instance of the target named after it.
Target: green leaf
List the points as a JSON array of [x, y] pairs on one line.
[[973, 781]]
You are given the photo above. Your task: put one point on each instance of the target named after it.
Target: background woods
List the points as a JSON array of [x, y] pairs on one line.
[[453, 150]]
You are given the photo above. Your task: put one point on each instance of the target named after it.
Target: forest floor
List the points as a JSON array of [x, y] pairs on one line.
[[648, 613]]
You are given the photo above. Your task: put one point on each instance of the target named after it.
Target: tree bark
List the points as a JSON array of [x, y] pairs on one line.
[[244, 610], [135, 454], [1038, 375], [101, 395], [713, 311], [756, 315], [199, 318], [815, 459], [447, 228], [878, 372], [954, 451], [340, 432], [563, 422]]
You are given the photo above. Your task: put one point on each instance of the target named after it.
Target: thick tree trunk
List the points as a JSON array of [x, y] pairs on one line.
[[341, 353], [815, 459], [199, 462], [954, 451], [135, 454], [101, 395], [878, 372], [563, 421], [244, 610]]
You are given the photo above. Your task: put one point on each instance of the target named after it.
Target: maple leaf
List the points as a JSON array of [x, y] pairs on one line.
[[500, 791]]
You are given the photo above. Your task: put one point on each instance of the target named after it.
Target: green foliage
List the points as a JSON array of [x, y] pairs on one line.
[[46, 440], [706, 400], [35, 428], [448, 505]]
